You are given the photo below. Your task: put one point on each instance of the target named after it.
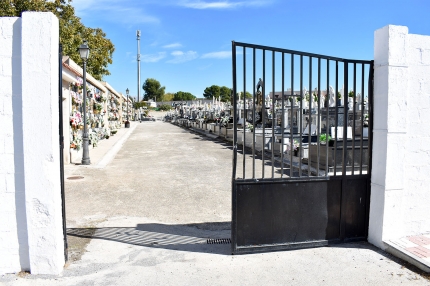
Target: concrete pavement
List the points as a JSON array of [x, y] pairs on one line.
[[143, 218]]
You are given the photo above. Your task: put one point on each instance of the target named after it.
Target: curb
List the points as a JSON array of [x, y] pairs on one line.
[[108, 157]]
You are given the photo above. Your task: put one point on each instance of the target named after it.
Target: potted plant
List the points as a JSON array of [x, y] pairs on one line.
[[324, 138]]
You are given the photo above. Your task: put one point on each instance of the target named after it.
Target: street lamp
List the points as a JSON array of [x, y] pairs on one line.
[[84, 50], [127, 123]]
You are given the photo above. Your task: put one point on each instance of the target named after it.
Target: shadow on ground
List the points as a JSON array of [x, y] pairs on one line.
[[184, 237]]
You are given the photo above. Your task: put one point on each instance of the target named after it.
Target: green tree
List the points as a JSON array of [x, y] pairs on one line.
[[153, 89], [168, 96], [247, 95], [225, 94], [212, 91], [180, 95], [72, 32], [137, 105]]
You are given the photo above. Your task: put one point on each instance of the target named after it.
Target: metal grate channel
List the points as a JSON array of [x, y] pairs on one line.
[[219, 241]]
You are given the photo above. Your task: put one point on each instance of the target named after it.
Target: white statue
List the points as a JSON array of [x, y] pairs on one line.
[[342, 94], [332, 98]]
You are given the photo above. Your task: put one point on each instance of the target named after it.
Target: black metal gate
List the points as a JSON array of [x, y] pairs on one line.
[[301, 149], [61, 136]]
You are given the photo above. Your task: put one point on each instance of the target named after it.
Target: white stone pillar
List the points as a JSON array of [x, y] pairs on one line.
[[389, 134], [40, 40], [13, 221]]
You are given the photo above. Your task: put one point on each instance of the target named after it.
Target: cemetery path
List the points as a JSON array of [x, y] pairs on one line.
[[145, 219], [163, 173]]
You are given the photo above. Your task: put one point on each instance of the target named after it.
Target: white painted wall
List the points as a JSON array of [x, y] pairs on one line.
[[13, 222], [40, 44], [31, 236], [400, 199]]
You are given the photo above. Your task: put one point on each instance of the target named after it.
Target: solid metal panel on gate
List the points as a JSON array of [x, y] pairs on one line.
[[288, 220]]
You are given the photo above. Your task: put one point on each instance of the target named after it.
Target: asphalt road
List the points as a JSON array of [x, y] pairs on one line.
[[145, 217]]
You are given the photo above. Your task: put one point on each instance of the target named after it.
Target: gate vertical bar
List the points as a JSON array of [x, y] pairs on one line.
[[343, 205], [370, 140], [345, 118], [319, 116], [273, 115], [310, 117], [371, 116], [60, 108], [336, 120], [253, 115], [362, 119], [327, 132], [353, 118], [282, 115], [291, 120], [234, 111], [301, 115], [244, 112], [233, 183], [263, 115]]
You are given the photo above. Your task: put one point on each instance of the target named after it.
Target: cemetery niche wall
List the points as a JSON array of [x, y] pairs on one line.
[[104, 108]]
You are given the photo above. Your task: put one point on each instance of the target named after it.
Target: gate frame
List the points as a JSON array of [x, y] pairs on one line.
[[61, 145], [343, 203]]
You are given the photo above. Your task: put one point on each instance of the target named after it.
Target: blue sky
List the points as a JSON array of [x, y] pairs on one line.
[[186, 44]]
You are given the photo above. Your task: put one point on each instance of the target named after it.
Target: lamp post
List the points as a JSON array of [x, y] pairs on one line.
[[127, 123], [84, 50], [138, 64]]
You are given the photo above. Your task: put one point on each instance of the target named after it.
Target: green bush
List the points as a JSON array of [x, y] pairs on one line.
[[164, 107]]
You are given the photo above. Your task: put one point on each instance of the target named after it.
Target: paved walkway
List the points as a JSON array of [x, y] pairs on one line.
[[413, 248], [145, 216]]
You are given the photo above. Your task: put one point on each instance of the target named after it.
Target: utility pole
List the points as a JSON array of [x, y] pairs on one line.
[[138, 65]]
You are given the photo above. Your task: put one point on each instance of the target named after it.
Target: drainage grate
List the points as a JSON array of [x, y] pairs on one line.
[[219, 241], [75, 178]]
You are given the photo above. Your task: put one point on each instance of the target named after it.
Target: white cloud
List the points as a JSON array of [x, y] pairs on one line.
[[113, 10], [153, 58], [212, 5], [82, 5], [217, 55], [227, 4], [181, 57], [177, 53], [172, 46]]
